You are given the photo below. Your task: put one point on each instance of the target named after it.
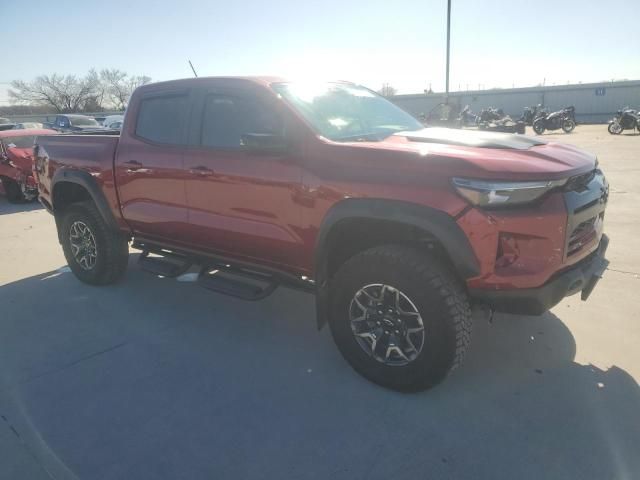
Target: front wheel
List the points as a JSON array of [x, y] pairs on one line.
[[399, 317], [13, 191], [538, 127], [568, 125], [96, 254], [614, 128]]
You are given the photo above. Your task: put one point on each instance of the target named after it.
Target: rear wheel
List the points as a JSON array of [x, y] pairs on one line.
[[568, 125], [538, 126], [399, 317], [95, 253]]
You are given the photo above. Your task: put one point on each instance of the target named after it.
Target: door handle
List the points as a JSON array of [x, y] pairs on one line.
[[201, 170], [132, 166]]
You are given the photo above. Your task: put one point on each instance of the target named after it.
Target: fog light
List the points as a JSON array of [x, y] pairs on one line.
[[508, 251]]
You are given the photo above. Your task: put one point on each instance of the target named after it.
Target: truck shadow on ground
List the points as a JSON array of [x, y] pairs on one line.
[[154, 378], [7, 208]]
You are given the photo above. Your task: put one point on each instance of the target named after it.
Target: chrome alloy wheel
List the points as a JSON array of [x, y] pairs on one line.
[[386, 324], [83, 245]]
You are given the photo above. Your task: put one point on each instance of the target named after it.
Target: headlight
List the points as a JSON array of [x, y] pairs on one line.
[[494, 194]]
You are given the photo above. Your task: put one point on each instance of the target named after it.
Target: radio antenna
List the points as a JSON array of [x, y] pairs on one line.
[[193, 69]]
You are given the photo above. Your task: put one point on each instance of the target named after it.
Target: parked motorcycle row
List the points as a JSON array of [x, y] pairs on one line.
[[495, 120], [491, 119]]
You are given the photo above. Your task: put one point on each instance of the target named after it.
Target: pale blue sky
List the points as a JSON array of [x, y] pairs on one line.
[[494, 43]]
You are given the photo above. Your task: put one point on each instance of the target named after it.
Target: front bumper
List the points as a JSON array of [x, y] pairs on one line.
[[581, 277]]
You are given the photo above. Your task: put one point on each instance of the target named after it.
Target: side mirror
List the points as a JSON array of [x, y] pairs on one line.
[[265, 143]]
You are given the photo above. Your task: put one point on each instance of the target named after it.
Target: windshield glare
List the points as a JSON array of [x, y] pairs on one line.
[[346, 112]]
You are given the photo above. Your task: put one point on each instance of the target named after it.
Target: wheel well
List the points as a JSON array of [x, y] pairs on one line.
[[66, 193], [351, 236]]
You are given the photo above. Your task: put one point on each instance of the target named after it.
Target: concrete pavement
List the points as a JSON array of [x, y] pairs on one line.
[[159, 379]]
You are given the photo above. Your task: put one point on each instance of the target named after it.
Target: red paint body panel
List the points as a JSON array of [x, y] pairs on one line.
[[269, 208]]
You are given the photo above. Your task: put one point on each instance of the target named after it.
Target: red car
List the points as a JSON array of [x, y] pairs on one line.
[[398, 230], [16, 163]]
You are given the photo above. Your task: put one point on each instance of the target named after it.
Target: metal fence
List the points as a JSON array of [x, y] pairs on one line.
[[594, 102]]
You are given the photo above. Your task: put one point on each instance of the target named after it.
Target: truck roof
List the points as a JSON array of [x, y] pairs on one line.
[[259, 80]]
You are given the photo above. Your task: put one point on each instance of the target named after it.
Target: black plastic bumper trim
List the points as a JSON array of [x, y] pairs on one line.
[[535, 301]]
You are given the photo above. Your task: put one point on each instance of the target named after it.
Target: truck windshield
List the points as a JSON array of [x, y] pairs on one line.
[[83, 122], [346, 112]]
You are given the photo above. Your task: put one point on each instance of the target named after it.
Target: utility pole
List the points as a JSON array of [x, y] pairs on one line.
[[448, 47]]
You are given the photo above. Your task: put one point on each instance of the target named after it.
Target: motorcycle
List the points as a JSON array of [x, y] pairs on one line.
[[625, 119], [556, 120], [529, 114], [495, 120], [467, 117]]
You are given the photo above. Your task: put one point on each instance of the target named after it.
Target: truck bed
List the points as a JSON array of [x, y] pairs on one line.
[[92, 153]]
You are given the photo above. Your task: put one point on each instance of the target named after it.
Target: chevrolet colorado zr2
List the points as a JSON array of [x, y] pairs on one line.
[[398, 230]]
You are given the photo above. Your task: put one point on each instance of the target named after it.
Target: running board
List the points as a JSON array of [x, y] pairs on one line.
[[166, 264], [240, 283]]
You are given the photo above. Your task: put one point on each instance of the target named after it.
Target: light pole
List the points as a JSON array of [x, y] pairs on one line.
[[448, 48]]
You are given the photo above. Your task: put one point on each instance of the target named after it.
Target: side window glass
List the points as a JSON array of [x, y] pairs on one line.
[[226, 118], [161, 119]]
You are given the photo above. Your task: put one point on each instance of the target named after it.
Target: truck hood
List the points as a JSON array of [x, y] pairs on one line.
[[489, 154], [22, 158]]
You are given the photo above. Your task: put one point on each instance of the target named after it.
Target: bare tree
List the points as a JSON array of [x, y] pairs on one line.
[[387, 90], [65, 93], [69, 93], [118, 86]]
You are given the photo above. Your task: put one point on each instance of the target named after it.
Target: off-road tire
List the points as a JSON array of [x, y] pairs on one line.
[[13, 191], [439, 298], [112, 247]]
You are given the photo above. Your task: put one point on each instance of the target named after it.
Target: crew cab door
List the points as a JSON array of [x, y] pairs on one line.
[[149, 166], [241, 203]]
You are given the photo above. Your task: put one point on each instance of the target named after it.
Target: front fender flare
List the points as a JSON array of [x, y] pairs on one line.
[[438, 224]]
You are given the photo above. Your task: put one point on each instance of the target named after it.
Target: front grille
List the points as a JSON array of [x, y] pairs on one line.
[[581, 235], [586, 199]]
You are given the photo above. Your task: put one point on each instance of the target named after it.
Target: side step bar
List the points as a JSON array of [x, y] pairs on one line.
[[167, 264], [236, 282], [219, 274]]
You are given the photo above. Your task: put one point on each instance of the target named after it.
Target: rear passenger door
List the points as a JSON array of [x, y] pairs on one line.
[[149, 165], [241, 204]]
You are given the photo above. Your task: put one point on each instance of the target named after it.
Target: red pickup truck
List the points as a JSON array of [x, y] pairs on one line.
[[398, 230]]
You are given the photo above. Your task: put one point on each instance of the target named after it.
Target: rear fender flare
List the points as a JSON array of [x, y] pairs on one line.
[[438, 224], [85, 180]]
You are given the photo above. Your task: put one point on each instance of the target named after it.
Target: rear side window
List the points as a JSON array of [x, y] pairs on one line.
[[161, 119], [226, 118]]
